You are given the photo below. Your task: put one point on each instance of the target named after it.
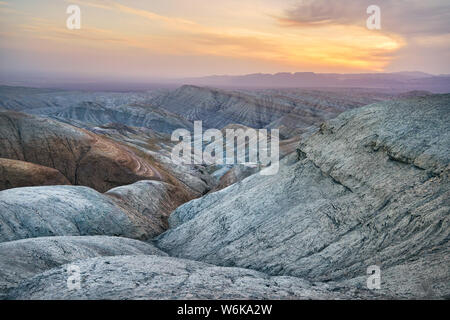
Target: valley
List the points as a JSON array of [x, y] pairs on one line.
[[87, 179]]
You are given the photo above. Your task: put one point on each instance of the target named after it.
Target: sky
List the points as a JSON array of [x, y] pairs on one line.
[[141, 40]]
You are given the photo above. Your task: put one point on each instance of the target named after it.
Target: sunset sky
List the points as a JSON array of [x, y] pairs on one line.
[[171, 38]]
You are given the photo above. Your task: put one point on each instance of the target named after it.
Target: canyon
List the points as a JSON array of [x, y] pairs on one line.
[[87, 179]]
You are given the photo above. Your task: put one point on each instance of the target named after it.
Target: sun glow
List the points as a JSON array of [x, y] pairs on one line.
[[158, 39]]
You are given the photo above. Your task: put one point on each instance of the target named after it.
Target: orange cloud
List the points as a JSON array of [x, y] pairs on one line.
[[336, 47]]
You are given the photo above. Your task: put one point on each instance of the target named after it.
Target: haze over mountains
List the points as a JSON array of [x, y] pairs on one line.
[[87, 179], [393, 82], [398, 81]]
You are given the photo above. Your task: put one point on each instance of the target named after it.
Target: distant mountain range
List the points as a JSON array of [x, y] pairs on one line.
[[398, 81], [395, 82]]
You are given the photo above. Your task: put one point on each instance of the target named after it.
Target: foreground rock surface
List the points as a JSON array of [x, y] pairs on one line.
[[156, 277], [68, 210], [370, 187], [22, 259], [16, 174]]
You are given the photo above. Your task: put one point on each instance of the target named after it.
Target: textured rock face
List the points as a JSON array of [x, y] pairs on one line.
[[67, 210], [15, 174], [137, 115], [92, 108], [370, 187], [291, 110], [158, 148], [218, 108], [154, 200], [155, 277], [82, 157], [22, 259], [235, 174], [24, 98], [227, 174]]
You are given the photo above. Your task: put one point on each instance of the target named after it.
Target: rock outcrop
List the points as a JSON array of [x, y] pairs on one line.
[[22, 259], [369, 187], [15, 174], [68, 210], [156, 277], [235, 174], [154, 200]]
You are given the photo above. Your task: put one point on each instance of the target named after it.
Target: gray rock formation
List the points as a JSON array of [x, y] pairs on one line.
[[92, 108], [137, 115], [68, 210], [156, 277], [292, 110], [370, 187], [22, 259], [154, 200], [235, 174]]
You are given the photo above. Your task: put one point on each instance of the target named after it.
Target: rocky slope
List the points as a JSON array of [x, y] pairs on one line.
[[89, 109], [138, 211], [15, 173], [83, 157], [138, 115], [228, 174], [67, 210], [156, 277], [163, 110], [22, 259], [158, 147], [293, 110], [154, 200], [76, 153], [369, 187]]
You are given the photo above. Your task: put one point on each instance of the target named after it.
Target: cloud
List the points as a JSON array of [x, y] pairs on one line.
[[323, 36], [116, 6], [404, 17]]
